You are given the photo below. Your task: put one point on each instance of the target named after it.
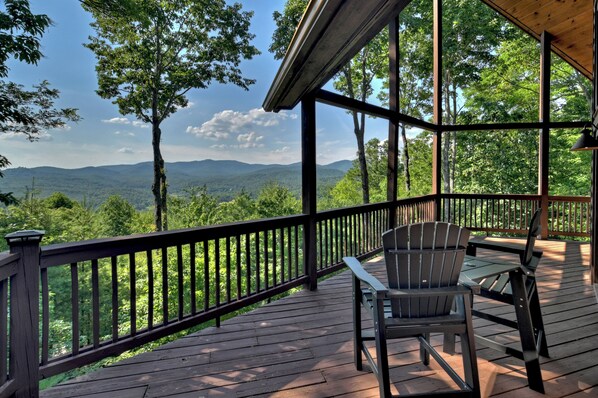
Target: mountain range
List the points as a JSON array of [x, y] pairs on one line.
[[222, 178]]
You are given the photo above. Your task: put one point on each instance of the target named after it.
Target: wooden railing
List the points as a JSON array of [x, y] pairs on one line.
[[161, 283], [569, 216], [9, 376], [566, 215], [354, 231], [99, 298]]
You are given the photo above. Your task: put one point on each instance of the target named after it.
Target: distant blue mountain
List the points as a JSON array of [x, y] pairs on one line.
[[223, 178]]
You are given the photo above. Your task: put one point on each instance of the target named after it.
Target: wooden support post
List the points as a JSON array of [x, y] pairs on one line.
[[308, 188], [437, 140], [393, 127], [544, 150], [594, 188], [24, 313]]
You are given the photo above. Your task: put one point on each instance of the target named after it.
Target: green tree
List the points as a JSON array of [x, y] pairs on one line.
[[58, 200], [241, 208], [471, 34], [27, 112], [148, 60], [355, 79], [347, 191], [116, 216], [276, 200], [195, 208], [506, 162]]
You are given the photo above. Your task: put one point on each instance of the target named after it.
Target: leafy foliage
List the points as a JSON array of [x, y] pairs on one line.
[[150, 57], [25, 112]]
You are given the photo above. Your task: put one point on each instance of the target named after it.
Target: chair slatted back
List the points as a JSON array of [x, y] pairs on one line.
[[424, 255], [532, 234]]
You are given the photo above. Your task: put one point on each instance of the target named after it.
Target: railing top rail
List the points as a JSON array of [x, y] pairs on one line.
[[59, 254], [490, 196], [577, 199], [8, 264], [8, 258], [328, 214]]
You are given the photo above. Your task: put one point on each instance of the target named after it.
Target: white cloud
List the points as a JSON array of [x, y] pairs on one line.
[[127, 133], [229, 123], [126, 150], [137, 123], [125, 121], [250, 140], [117, 120], [14, 136], [284, 149]]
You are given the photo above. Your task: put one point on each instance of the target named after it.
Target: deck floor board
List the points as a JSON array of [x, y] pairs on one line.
[[301, 346]]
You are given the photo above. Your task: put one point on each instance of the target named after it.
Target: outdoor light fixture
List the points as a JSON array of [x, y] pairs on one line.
[[586, 142]]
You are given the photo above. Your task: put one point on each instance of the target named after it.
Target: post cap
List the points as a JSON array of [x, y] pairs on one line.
[[26, 235]]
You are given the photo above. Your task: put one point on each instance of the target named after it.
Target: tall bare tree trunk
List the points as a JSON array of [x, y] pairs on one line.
[[159, 185], [446, 139], [359, 130], [406, 158]]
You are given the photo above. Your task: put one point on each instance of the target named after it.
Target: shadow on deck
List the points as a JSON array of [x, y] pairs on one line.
[[301, 346]]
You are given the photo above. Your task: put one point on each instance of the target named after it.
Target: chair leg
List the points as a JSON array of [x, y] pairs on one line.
[[381, 350], [536, 313], [526, 332], [470, 364], [357, 337], [424, 355]]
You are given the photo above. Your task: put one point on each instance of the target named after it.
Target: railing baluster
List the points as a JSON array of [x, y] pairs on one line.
[[193, 278], [290, 254], [296, 251], [45, 321], [133, 293], [75, 308], [228, 270], [320, 244], [150, 289], [114, 277], [206, 276], [4, 331], [179, 267], [238, 265], [282, 257], [217, 279], [248, 263], [266, 260], [165, 316], [257, 263], [274, 260], [95, 298]]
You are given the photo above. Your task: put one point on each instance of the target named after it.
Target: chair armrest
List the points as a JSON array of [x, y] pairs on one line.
[[473, 245], [469, 283], [360, 273], [428, 292]]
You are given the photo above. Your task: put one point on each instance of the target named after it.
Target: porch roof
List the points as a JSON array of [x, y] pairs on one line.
[[333, 31]]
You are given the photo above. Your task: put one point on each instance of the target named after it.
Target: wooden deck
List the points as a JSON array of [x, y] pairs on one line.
[[300, 346]]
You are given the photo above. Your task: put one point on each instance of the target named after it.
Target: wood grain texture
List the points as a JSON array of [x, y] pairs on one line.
[[302, 346]]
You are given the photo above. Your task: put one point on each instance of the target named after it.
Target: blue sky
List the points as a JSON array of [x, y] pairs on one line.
[[222, 122]]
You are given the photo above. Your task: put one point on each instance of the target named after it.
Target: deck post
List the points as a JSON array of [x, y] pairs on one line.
[[437, 140], [308, 189], [544, 150], [24, 313], [594, 187], [393, 126]]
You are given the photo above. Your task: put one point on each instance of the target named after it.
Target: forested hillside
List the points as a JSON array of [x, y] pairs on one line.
[[223, 179]]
